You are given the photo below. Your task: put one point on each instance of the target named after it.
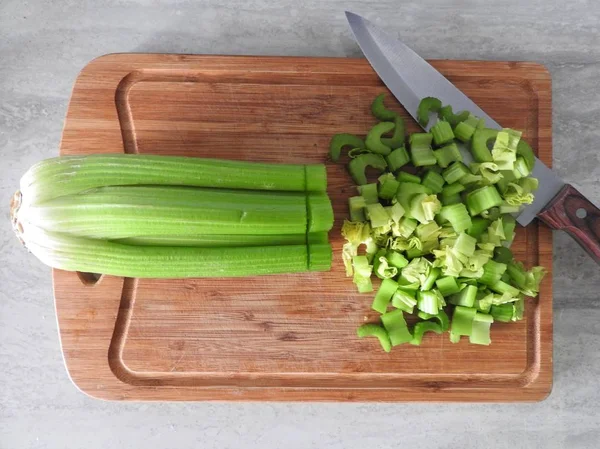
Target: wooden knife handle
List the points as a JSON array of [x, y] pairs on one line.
[[570, 211]]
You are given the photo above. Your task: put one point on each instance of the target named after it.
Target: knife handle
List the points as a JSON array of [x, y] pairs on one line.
[[570, 211]]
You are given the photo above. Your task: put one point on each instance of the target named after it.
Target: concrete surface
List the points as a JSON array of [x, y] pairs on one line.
[[43, 45]]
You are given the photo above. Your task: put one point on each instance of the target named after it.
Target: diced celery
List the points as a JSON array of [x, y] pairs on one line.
[[384, 295], [395, 325]]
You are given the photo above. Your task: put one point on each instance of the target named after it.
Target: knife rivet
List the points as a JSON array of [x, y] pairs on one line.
[[581, 213]]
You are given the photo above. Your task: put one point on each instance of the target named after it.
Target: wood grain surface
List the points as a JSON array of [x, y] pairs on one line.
[[281, 337]]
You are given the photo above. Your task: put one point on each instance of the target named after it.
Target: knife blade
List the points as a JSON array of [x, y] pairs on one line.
[[410, 78]]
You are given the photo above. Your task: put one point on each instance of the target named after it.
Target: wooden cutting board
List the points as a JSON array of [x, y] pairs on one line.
[[283, 337]]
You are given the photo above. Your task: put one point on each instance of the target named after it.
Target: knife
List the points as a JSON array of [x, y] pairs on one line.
[[410, 78]]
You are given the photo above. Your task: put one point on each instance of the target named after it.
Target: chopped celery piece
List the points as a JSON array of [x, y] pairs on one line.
[[388, 186], [525, 151], [506, 208], [395, 325], [452, 189], [404, 300], [407, 226], [423, 207], [429, 301], [417, 270], [462, 321], [492, 272], [464, 131], [455, 172], [397, 139], [447, 154], [521, 167], [516, 195], [369, 193], [488, 171], [442, 133], [381, 266], [374, 330], [356, 234], [340, 141], [373, 139], [357, 206], [377, 215], [504, 152], [422, 327], [466, 297], [426, 106], [433, 180], [434, 273], [478, 227], [422, 156], [397, 158], [407, 177], [379, 110], [480, 334], [449, 200], [406, 192], [482, 199], [518, 309], [395, 212], [465, 244], [358, 165], [479, 145], [396, 259], [445, 113], [408, 286], [362, 274], [503, 255], [457, 215], [502, 287], [447, 285], [503, 312], [441, 317], [420, 150], [384, 295]]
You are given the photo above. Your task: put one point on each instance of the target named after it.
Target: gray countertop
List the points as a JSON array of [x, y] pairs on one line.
[[43, 45]]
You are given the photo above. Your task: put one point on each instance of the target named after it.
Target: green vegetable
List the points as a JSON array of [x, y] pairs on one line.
[[68, 175], [525, 151], [397, 158], [420, 149], [340, 141], [388, 186], [466, 297], [377, 215], [358, 165], [462, 322], [503, 312], [404, 300], [116, 212], [483, 199], [362, 274], [395, 325], [480, 335], [492, 272], [423, 207], [397, 139], [357, 205], [373, 140], [396, 259], [445, 113], [65, 252], [373, 330], [447, 285], [465, 129], [420, 329], [369, 192], [434, 273], [379, 110], [455, 172], [504, 152], [384, 295], [407, 177], [441, 317], [442, 133], [479, 147], [429, 301], [457, 215], [222, 240], [433, 181], [447, 154], [427, 106]]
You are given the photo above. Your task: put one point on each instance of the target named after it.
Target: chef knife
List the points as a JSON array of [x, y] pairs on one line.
[[410, 78]]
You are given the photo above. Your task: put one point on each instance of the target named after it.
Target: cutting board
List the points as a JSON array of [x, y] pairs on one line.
[[281, 337]]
